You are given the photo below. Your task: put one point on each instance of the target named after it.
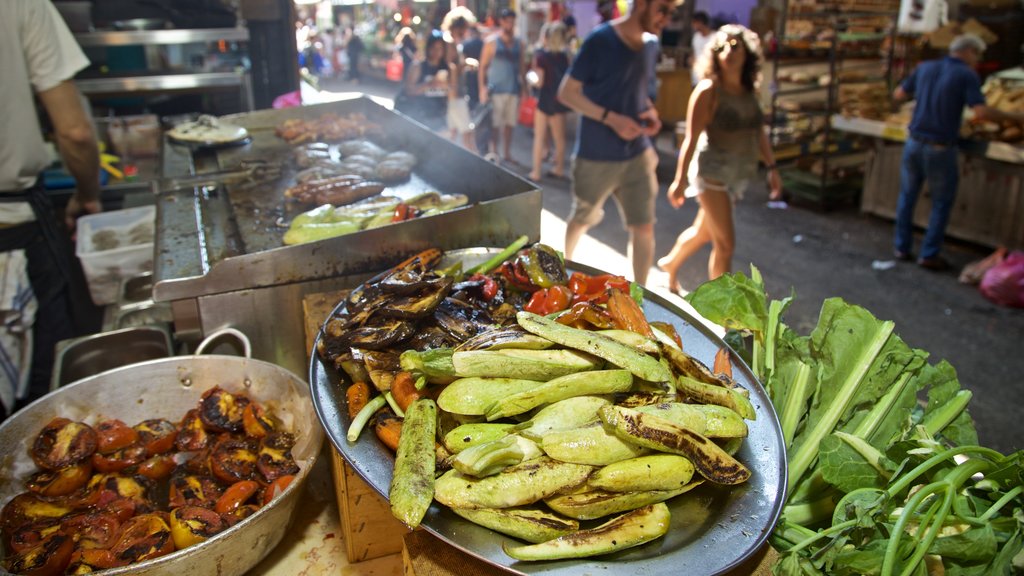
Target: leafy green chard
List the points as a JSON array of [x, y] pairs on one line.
[[877, 483]]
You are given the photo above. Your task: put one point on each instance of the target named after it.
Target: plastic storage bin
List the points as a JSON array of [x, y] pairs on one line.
[[113, 246]]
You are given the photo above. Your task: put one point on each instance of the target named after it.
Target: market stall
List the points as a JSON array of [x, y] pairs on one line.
[[531, 415], [989, 205]]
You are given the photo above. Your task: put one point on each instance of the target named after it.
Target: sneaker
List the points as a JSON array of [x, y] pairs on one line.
[[934, 264], [903, 256], [492, 157]]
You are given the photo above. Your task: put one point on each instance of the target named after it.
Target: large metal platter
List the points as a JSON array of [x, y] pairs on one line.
[[714, 529]]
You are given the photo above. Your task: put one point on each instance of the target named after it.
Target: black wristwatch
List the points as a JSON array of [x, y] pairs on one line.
[[605, 115]]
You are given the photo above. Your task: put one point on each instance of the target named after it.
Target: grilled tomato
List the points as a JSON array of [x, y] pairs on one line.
[[113, 435], [63, 443], [276, 487], [118, 460], [92, 530], [193, 490], [33, 534], [142, 538], [256, 422], [192, 524], [61, 482], [233, 460], [236, 495], [221, 411], [157, 435], [156, 467], [275, 456], [26, 508], [192, 436], [49, 557]]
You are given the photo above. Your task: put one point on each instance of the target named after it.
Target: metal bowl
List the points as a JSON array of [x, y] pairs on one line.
[[168, 388]]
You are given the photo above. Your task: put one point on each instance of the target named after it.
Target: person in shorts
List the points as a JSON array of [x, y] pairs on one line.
[[503, 80], [607, 85]]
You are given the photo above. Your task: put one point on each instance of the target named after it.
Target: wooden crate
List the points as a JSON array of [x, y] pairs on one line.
[[989, 206], [369, 529]]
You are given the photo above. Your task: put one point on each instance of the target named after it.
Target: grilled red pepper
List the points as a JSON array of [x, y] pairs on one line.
[[595, 288], [405, 212], [549, 300]]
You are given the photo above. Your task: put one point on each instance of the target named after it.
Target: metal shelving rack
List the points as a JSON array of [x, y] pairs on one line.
[[166, 82], [823, 189]]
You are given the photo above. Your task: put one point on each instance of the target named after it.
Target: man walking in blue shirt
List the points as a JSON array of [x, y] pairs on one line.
[[608, 86], [942, 89]]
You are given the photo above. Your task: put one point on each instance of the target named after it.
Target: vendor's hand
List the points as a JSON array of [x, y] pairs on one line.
[[76, 207], [775, 184], [484, 93], [677, 192], [651, 122], [624, 126]]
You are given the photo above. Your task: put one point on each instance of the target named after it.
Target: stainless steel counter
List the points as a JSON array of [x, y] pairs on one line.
[[219, 255]]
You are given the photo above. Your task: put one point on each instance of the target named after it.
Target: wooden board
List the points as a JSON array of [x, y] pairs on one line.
[[369, 529]]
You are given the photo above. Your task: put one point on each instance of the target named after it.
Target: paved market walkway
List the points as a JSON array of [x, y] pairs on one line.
[[821, 255]]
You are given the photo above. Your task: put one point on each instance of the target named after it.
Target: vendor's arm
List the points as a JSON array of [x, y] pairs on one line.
[[76, 140], [988, 113], [698, 114], [486, 56], [905, 90], [570, 93]]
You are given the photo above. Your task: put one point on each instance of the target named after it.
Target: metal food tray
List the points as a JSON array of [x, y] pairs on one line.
[[714, 528], [224, 234]]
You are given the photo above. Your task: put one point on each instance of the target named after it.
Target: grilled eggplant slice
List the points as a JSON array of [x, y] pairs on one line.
[[421, 303]]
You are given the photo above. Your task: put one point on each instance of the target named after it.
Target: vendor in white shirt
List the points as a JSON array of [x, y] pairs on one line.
[[702, 34], [38, 57]]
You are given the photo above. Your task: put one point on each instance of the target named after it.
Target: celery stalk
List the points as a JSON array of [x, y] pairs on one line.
[[808, 451]]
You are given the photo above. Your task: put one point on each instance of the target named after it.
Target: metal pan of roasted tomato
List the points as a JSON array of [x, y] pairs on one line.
[[549, 418], [184, 465]]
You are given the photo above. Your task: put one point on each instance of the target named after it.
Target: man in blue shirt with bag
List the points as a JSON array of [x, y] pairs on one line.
[[942, 89], [607, 85]]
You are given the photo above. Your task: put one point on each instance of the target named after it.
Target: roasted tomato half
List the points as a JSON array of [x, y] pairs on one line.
[[236, 495], [191, 525], [142, 538], [63, 443], [92, 530], [275, 488], [122, 495], [238, 514], [188, 489], [221, 411], [233, 460], [33, 534], [26, 508], [192, 436], [275, 456], [256, 422], [199, 463], [156, 467], [157, 435], [113, 435], [50, 557], [92, 560], [50, 483], [119, 460]]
